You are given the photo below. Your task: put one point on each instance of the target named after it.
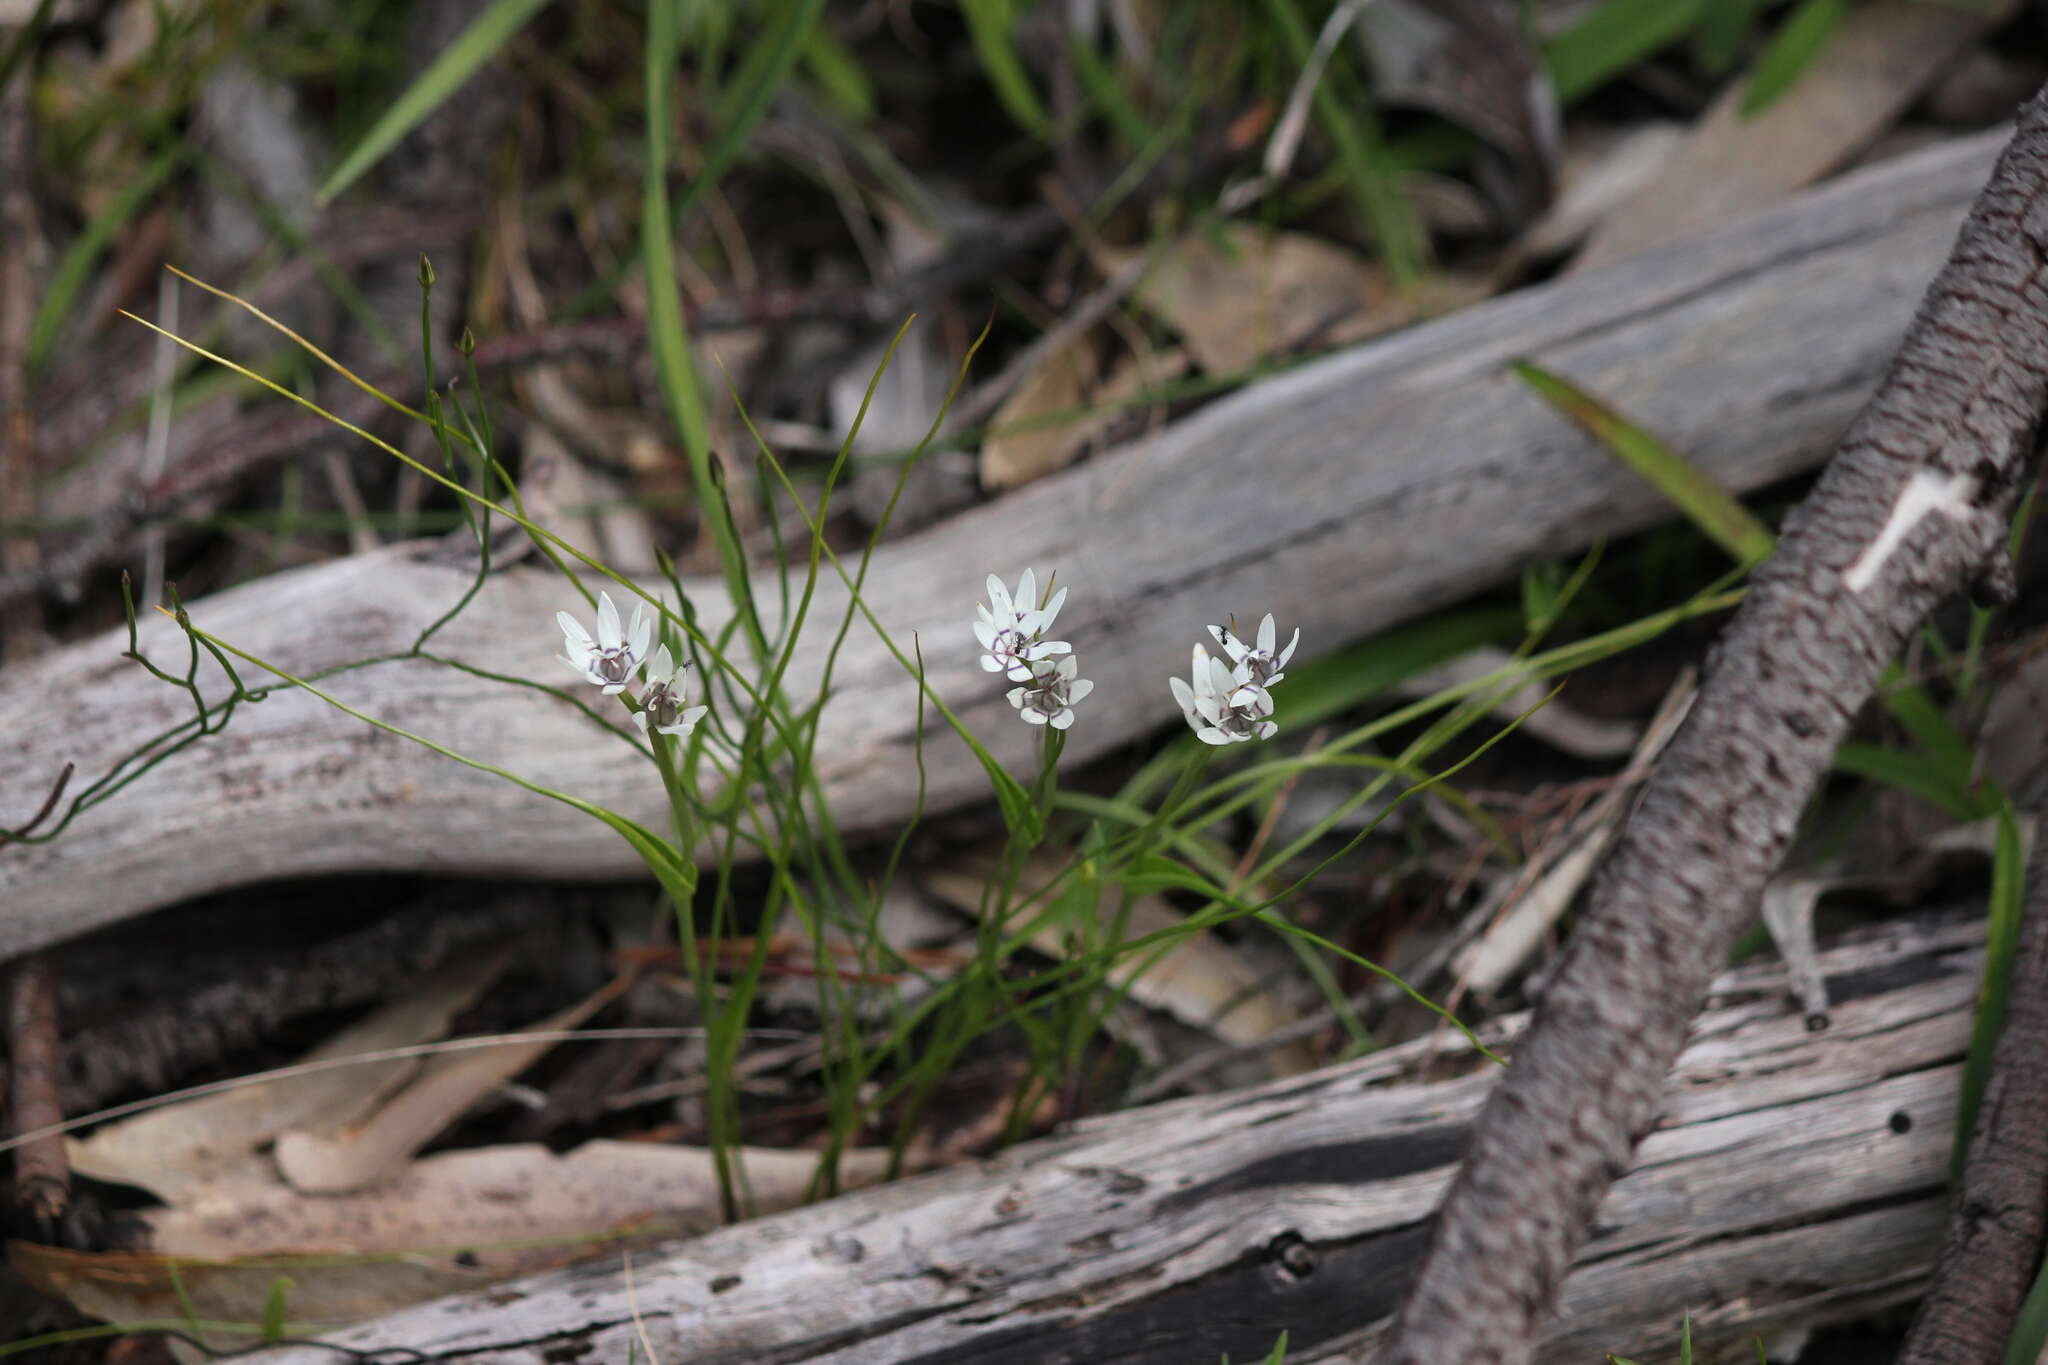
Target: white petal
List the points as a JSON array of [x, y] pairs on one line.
[[661, 668], [1221, 681], [1184, 697], [1020, 673], [641, 631], [1034, 717], [1063, 720], [985, 633], [581, 670], [1212, 735], [1016, 695], [1266, 635], [686, 722], [1081, 687], [1045, 649], [611, 689], [991, 664], [578, 637], [1027, 591], [1067, 667], [1052, 609], [998, 595], [1288, 652], [608, 633], [1265, 729], [640, 719], [1203, 684]]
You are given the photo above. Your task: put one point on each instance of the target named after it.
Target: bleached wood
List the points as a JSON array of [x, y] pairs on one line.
[[1346, 495], [1795, 1179]]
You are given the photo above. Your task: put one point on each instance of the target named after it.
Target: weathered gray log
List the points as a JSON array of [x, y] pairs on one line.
[[1344, 496], [1794, 1180]]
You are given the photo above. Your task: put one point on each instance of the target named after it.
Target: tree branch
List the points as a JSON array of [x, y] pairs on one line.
[[1912, 507], [1995, 1228]]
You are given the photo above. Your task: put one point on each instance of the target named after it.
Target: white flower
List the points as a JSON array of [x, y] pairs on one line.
[[662, 704], [1012, 631], [1049, 698], [611, 660], [1260, 666], [1221, 709]]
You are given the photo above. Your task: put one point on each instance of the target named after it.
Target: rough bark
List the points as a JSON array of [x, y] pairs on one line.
[[1366, 488], [1795, 1180], [1912, 507], [1994, 1231]]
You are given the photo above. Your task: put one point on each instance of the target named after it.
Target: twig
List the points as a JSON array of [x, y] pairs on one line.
[[8, 836], [1912, 507], [19, 554], [42, 1176], [1995, 1228]]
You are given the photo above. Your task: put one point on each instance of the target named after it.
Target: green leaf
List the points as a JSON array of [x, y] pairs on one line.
[[1614, 38], [989, 23], [1937, 738], [475, 45], [1915, 774], [84, 253], [2008, 892], [1792, 49], [1723, 30], [1727, 522], [839, 74]]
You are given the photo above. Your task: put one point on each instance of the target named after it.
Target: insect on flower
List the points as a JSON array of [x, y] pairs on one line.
[[1050, 696], [1259, 667], [1012, 630], [611, 660], [663, 704]]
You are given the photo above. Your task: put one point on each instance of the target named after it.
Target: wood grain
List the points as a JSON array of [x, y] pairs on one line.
[[1351, 493], [1795, 1179]]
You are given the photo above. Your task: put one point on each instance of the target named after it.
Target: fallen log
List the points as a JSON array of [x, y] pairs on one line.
[[1794, 1180], [1346, 495]]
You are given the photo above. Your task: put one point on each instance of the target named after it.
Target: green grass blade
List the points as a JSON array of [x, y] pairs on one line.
[[1916, 774], [83, 254], [2030, 1329], [1727, 522], [1792, 50], [2008, 893], [838, 73], [474, 46], [1723, 29], [1614, 38], [1374, 177], [988, 24]]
